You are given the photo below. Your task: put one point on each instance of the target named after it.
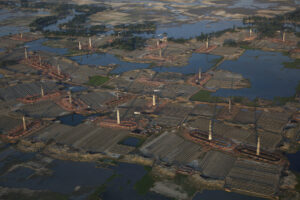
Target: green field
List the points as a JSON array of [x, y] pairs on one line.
[[97, 80], [205, 96]]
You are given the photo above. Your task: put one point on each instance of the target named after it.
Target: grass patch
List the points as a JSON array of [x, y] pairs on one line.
[[108, 87], [182, 180], [102, 188], [205, 96], [292, 65], [145, 183], [97, 80]]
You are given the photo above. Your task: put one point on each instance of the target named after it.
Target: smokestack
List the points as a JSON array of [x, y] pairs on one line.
[[210, 131], [157, 43], [42, 91], [117, 93], [70, 96], [258, 146], [21, 35], [58, 69], [90, 42], [24, 124], [154, 100], [283, 36], [118, 117], [200, 74], [250, 32], [207, 43], [26, 55], [79, 45], [160, 53], [40, 59], [229, 105]]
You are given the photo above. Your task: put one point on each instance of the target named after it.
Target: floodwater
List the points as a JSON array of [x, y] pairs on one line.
[[37, 45], [55, 27], [107, 59], [66, 175], [294, 161], [253, 4], [195, 29], [190, 30], [11, 30], [9, 15], [217, 194], [266, 73], [6, 14], [203, 61], [265, 70]]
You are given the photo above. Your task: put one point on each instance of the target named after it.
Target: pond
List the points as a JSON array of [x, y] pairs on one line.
[[266, 73], [75, 119], [131, 141]]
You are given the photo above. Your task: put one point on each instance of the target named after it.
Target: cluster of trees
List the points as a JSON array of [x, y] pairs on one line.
[[202, 36], [41, 22], [75, 27], [179, 40], [147, 27], [267, 27], [78, 31], [127, 43]]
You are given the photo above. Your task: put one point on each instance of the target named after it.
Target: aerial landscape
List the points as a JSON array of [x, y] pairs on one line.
[[150, 99]]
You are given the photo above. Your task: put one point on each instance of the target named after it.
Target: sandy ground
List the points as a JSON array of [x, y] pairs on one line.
[[185, 11]]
